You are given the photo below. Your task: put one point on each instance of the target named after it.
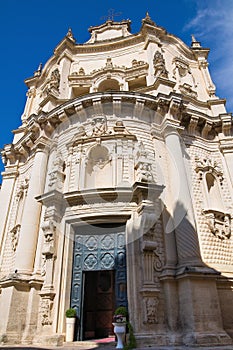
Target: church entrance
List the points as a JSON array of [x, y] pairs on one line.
[[99, 304], [98, 278]]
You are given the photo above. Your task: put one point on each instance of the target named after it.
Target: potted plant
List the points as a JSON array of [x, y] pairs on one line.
[[70, 324], [119, 323], [120, 314]]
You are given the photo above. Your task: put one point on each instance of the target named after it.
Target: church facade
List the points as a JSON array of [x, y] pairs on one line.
[[117, 190]]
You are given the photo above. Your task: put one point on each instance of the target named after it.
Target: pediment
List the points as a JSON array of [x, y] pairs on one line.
[[109, 30]]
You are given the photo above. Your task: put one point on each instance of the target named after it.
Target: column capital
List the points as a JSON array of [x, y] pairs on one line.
[[42, 144], [171, 127]]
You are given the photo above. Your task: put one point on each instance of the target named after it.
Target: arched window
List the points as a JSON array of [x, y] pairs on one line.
[[109, 85]]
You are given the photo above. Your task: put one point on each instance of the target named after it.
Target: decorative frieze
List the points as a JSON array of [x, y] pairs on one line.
[[150, 308]]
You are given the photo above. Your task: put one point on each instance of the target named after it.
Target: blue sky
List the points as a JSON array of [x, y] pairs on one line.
[[30, 30]]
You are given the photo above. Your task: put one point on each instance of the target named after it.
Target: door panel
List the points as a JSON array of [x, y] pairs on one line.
[[100, 248]]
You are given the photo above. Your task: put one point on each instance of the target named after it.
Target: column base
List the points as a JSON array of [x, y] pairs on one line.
[[158, 339], [206, 339], [53, 340]]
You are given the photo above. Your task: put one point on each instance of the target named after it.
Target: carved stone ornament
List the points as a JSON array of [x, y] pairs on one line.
[[208, 165], [15, 236], [46, 305], [159, 65], [52, 84], [43, 266], [22, 189], [182, 66], [48, 228], [186, 89], [143, 172], [99, 125], [143, 166], [219, 223], [151, 309], [56, 176]]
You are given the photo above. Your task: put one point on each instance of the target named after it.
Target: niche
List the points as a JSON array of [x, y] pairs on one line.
[[214, 198], [109, 85], [98, 172]]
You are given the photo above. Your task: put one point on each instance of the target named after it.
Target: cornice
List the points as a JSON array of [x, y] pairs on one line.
[[174, 106]]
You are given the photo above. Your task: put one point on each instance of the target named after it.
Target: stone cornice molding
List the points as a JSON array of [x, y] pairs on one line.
[[138, 68], [21, 281], [10, 173], [172, 106], [149, 32], [226, 145]]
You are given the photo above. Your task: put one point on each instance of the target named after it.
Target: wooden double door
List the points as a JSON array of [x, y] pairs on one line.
[[99, 304], [98, 278]]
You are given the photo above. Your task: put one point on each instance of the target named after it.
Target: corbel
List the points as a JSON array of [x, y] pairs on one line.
[[206, 129], [193, 124], [226, 123], [80, 110], [97, 105], [116, 106], [138, 107]]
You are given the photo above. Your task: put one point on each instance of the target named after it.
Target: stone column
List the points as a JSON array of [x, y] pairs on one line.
[[182, 216], [26, 249]]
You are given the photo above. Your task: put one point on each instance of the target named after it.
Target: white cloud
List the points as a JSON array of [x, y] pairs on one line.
[[212, 25]]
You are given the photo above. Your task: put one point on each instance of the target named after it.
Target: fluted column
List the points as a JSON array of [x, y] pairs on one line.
[[182, 216], [25, 254]]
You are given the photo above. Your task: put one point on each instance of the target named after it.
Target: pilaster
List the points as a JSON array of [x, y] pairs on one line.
[[25, 253]]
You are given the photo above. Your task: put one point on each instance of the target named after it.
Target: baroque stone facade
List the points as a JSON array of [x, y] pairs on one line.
[[118, 187]]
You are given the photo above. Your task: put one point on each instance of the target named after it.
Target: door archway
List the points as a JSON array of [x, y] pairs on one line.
[[99, 261]]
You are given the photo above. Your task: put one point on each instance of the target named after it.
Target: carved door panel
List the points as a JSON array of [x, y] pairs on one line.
[[101, 252]]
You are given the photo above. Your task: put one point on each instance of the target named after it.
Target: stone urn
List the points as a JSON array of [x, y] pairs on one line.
[[70, 324], [120, 330]]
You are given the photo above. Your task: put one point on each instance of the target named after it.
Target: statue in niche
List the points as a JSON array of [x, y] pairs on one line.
[[99, 125], [151, 310], [159, 65], [98, 167], [53, 82]]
